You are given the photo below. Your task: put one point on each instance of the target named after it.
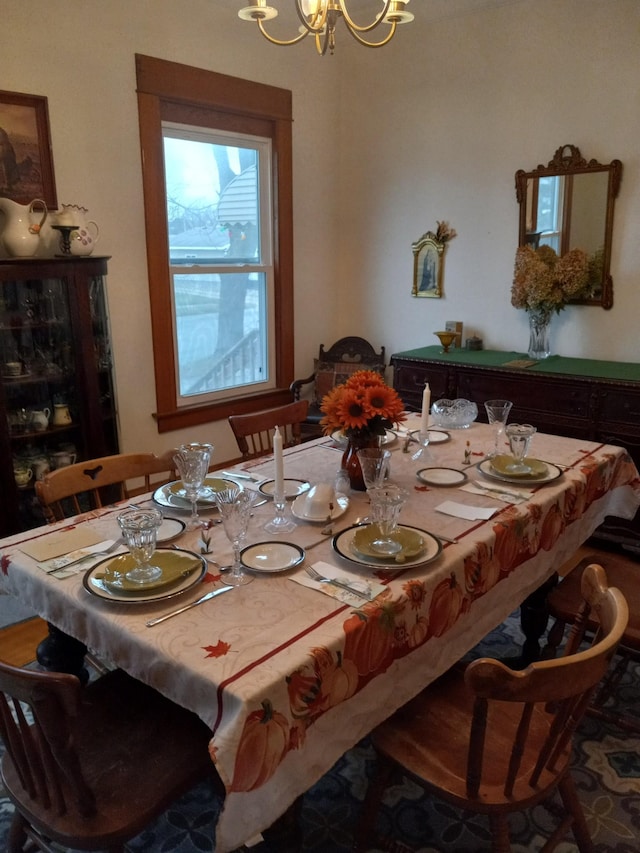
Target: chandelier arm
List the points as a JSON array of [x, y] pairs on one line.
[[279, 42], [351, 24], [366, 43]]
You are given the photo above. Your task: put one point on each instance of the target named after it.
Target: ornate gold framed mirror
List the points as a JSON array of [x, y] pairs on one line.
[[568, 204]]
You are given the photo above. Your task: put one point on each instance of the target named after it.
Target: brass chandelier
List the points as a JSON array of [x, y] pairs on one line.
[[318, 18]]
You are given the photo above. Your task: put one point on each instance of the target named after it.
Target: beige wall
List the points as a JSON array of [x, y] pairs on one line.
[[431, 127]]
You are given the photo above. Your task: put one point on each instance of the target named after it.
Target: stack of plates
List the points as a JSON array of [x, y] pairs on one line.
[[418, 547], [499, 468], [181, 570], [174, 495]]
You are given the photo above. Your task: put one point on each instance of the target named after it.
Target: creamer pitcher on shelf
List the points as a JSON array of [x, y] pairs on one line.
[[21, 226]]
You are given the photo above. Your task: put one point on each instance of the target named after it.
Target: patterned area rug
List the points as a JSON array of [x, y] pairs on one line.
[[607, 773]]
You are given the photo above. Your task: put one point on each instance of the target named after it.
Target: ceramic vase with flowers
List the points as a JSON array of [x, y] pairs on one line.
[[544, 283], [362, 408]]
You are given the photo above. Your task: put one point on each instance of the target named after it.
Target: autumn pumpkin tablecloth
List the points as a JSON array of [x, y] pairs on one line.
[[289, 678]]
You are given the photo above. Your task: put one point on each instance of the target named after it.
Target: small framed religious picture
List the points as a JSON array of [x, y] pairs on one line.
[[428, 257], [26, 162]]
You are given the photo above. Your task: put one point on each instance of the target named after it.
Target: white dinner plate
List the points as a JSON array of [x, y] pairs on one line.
[[341, 439], [340, 506], [173, 495], [169, 530], [442, 476], [343, 546], [191, 568], [292, 488], [436, 436], [487, 470], [271, 556]]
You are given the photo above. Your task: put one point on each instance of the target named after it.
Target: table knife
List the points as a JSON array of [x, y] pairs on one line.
[[195, 603], [241, 475]]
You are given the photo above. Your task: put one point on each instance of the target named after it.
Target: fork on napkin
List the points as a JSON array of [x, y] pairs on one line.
[[335, 583]]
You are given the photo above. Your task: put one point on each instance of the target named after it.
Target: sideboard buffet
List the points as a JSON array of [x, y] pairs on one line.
[[580, 398], [57, 402]]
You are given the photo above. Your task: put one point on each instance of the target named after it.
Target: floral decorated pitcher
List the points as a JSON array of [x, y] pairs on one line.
[[22, 224], [87, 234]]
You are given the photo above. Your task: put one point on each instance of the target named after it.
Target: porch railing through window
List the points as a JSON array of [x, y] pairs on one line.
[[241, 365]]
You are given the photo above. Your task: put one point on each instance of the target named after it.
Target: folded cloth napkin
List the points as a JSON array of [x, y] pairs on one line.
[[471, 513], [369, 588]]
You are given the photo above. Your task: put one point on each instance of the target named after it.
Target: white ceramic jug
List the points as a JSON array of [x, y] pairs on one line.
[[22, 224], [40, 419], [87, 233]]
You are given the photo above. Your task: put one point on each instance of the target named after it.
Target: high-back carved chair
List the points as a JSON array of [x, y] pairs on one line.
[[97, 764], [75, 488], [333, 367], [254, 432], [494, 741], [563, 605]]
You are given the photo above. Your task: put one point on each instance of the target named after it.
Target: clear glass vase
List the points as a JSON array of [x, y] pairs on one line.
[[539, 324]]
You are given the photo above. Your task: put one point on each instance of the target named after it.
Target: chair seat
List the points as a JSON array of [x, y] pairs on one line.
[[117, 735], [439, 760]]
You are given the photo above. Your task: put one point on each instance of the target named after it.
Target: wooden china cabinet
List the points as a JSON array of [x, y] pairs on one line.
[[57, 402], [580, 398]]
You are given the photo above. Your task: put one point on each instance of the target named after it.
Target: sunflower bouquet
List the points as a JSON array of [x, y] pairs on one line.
[[363, 406]]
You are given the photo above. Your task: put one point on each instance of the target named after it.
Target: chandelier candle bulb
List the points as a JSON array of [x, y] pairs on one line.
[[426, 403], [279, 465]]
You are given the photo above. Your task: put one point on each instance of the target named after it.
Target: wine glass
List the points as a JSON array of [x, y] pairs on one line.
[[497, 414], [139, 531], [235, 507], [192, 462], [422, 437], [375, 463], [386, 503], [519, 436]]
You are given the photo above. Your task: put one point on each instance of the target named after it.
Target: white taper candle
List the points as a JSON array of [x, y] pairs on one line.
[[426, 402], [279, 465]]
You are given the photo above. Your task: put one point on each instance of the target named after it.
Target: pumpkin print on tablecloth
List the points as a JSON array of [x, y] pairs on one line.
[[370, 637], [263, 744], [447, 605]]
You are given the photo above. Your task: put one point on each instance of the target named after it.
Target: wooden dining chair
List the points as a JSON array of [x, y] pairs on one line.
[[563, 605], [87, 485], [332, 367], [90, 767], [492, 741], [254, 432]]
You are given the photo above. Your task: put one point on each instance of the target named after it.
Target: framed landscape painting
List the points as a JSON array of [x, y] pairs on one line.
[[26, 162]]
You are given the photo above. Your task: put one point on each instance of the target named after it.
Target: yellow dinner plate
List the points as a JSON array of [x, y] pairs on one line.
[[411, 541], [175, 565], [501, 464]]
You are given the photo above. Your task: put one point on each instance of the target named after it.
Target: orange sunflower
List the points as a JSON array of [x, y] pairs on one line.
[[363, 404]]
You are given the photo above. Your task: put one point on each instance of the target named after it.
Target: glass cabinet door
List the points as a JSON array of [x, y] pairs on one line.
[[56, 375]]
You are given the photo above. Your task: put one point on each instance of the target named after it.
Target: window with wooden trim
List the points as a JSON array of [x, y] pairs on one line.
[[216, 160]]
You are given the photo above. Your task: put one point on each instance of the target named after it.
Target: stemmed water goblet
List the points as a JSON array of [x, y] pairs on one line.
[[519, 436], [235, 507], [497, 414], [139, 531], [386, 503], [192, 461]]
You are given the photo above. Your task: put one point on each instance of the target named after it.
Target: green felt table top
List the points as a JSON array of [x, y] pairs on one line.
[[583, 367]]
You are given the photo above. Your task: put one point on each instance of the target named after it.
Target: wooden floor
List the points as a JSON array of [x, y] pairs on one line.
[[18, 643]]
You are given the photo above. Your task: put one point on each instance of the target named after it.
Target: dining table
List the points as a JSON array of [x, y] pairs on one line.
[[290, 672]]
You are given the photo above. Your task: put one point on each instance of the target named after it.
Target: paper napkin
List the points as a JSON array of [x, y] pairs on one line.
[[78, 560], [60, 542], [365, 585], [471, 513]]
